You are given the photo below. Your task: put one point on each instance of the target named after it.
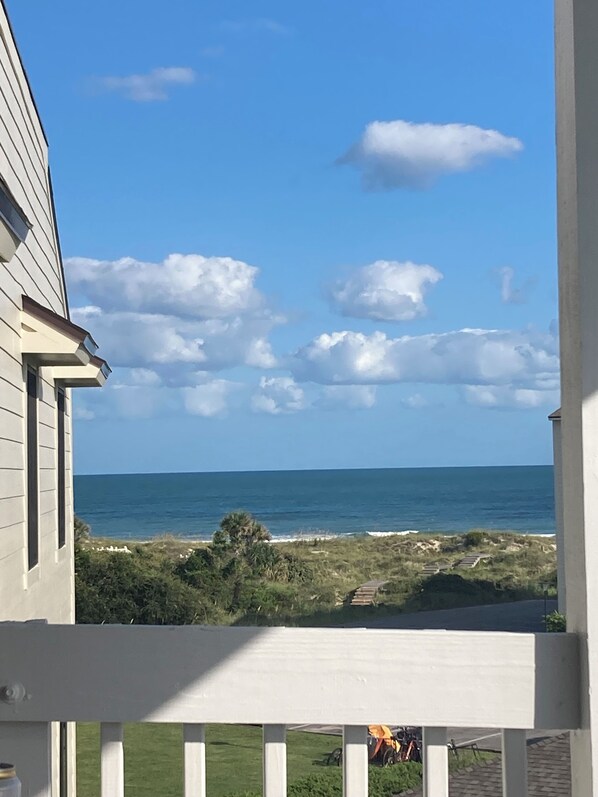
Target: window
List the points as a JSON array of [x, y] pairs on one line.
[[61, 464], [13, 224], [32, 470], [64, 761]]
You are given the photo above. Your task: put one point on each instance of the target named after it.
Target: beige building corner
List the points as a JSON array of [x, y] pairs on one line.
[[42, 354]]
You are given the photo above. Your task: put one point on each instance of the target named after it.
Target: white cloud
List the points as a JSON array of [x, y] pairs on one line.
[[385, 291], [184, 285], [402, 154], [467, 356], [352, 397], [138, 340], [278, 395], [415, 402], [509, 292], [188, 311], [508, 397], [138, 401], [82, 413], [138, 393], [141, 377], [150, 86], [208, 400]]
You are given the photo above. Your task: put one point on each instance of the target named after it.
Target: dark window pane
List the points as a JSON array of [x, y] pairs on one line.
[[12, 213], [32, 470], [61, 479]]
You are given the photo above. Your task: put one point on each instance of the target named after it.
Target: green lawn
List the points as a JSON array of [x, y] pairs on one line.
[[154, 755]]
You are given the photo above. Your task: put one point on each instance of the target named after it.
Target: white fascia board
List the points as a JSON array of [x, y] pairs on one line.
[[94, 374], [49, 347], [48, 344]]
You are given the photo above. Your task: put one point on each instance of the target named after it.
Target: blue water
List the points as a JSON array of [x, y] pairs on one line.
[[295, 503]]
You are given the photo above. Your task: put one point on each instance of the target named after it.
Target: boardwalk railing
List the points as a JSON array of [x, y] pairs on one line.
[[277, 677]]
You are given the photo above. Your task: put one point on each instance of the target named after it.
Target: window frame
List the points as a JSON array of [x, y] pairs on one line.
[[61, 400], [32, 475]]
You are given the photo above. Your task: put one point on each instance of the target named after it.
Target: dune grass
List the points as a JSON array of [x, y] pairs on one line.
[[518, 568]]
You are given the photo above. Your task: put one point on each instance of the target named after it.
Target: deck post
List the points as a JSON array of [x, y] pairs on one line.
[[514, 763], [355, 761], [112, 764], [275, 761], [558, 512], [577, 159], [194, 757], [435, 757]]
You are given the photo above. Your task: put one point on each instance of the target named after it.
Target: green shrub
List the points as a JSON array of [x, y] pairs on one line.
[[82, 530], [556, 622], [203, 571], [473, 539], [127, 588], [383, 782]]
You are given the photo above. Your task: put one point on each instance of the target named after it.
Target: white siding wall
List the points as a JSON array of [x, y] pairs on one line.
[[47, 591]]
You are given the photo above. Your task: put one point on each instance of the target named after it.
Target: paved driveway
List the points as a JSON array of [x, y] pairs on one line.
[[521, 616]]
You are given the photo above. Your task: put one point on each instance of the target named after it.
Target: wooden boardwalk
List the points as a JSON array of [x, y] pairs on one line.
[[473, 559], [366, 593]]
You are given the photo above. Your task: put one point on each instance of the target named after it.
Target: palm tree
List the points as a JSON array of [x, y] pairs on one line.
[[241, 530]]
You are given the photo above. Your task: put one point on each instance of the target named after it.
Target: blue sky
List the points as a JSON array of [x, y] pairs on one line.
[[282, 223]]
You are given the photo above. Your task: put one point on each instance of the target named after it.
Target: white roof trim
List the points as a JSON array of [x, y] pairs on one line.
[[94, 374], [50, 339]]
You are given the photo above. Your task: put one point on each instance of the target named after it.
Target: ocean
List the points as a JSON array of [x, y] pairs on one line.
[[307, 503]]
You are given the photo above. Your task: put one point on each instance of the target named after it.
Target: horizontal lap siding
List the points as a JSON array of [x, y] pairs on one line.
[[35, 271], [12, 484], [11, 543]]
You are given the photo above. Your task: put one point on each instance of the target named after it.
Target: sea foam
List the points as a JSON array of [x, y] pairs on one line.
[[392, 533]]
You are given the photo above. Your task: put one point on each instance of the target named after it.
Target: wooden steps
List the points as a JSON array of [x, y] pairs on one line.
[[366, 593], [436, 567], [472, 559]]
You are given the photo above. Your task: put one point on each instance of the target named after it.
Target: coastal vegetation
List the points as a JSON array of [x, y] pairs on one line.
[[241, 577]]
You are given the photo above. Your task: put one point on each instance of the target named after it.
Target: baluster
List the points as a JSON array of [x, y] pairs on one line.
[[514, 763], [435, 756], [194, 748], [113, 760], [275, 761], [355, 761]]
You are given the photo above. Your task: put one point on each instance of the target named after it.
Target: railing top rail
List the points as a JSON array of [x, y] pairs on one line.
[[290, 676]]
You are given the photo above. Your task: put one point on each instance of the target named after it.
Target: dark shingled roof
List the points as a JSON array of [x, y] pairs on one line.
[[549, 773]]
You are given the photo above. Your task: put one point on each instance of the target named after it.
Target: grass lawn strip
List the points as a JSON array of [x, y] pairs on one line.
[[154, 756], [154, 759]]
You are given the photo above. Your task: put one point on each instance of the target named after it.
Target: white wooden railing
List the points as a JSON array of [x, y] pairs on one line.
[[278, 677]]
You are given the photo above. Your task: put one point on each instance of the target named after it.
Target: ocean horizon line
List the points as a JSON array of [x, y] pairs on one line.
[[310, 470]]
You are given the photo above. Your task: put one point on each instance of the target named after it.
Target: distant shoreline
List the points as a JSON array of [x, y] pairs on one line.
[[103, 543]]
